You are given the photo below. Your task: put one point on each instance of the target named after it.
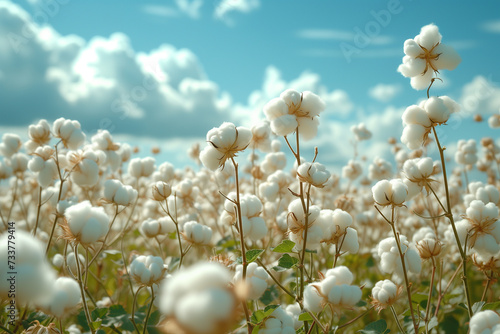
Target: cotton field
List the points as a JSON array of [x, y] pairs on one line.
[[97, 240]]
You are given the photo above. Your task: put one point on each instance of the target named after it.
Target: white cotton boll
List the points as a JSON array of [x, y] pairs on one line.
[[385, 292], [342, 275], [118, 193], [87, 224], [308, 127], [11, 143], [429, 36], [275, 108], [352, 170], [254, 228], [416, 115], [437, 111], [494, 121], [294, 312], [256, 280], [147, 270], [392, 192], [418, 168], [424, 233], [284, 125], [413, 136], [39, 135], [85, 171], [165, 173], [390, 260], [448, 58], [43, 166], [361, 132], [151, 228], [466, 153], [5, 171], [58, 261], [450, 104], [313, 173], [279, 322], [312, 103], [211, 158], [34, 279], [64, 299], [261, 136], [483, 322], [65, 204], [141, 167], [351, 243], [379, 169], [189, 296], [291, 97], [18, 162], [312, 299], [69, 132], [411, 66], [273, 162], [196, 233], [275, 145], [269, 191]]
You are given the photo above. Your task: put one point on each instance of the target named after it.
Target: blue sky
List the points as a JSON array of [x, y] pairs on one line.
[[221, 60]]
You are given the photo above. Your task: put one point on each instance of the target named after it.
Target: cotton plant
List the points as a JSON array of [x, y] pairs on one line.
[[256, 280]]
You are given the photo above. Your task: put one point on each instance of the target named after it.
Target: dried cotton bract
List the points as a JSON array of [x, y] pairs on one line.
[[425, 55], [224, 143], [292, 111], [199, 300]]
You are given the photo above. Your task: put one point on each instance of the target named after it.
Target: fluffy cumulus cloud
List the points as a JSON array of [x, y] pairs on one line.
[[480, 96], [224, 9], [491, 26], [190, 8], [384, 92], [104, 82]]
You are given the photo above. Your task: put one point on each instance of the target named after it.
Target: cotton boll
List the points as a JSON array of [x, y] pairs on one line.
[[11, 143], [361, 132], [312, 299], [483, 322], [279, 322], [437, 111], [390, 261], [58, 260], [84, 167], [392, 192], [196, 233], [69, 132], [379, 169], [261, 136], [494, 121], [313, 173], [64, 299], [273, 162], [466, 153], [256, 280], [18, 162], [141, 167], [188, 298], [87, 224], [165, 173], [352, 170], [5, 171], [43, 166], [34, 278], [118, 193], [294, 311], [39, 135], [147, 270]]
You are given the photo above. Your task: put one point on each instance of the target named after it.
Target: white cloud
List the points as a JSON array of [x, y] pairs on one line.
[[384, 92], [103, 83], [480, 96], [340, 35], [225, 7], [190, 7], [491, 26], [159, 10]]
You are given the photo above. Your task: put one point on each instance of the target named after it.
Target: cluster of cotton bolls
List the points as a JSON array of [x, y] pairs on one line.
[[269, 244]]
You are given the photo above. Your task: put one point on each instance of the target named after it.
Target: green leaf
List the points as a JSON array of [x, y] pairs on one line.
[[370, 262], [255, 330], [418, 297], [96, 324], [477, 307], [153, 321], [285, 262], [269, 295], [449, 325], [253, 254], [286, 246], [119, 318], [260, 315], [433, 323], [98, 313], [305, 317], [492, 306], [377, 327], [81, 320], [361, 303], [100, 331]]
